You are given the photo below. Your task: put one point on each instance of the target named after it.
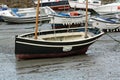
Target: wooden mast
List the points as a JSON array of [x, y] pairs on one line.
[[86, 22], [37, 15]]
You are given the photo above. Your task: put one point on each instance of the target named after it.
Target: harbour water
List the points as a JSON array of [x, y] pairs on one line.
[[101, 62]]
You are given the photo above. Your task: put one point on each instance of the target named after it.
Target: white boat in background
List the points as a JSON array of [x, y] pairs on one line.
[[8, 11], [81, 4], [54, 4], [26, 15], [70, 19], [108, 8], [2, 8], [105, 23]]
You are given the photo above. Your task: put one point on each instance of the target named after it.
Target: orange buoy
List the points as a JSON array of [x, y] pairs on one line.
[[118, 7]]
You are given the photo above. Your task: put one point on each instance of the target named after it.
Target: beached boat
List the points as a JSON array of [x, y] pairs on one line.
[[108, 8], [11, 11], [26, 15], [103, 22], [70, 19], [2, 8], [54, 4], [81, 4], [56, 42]]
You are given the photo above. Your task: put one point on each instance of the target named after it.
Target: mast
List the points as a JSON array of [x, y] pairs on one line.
[[37, 15], [86, 22]]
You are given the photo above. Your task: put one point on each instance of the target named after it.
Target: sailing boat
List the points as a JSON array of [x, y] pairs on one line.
[[56, 42]]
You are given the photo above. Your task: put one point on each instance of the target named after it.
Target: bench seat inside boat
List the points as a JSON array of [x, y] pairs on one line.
[[64, 36]]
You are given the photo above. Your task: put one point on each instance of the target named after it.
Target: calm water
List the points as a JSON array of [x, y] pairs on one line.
[[102, 61]]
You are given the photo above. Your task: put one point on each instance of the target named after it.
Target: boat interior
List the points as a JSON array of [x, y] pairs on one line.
[[64, 37]]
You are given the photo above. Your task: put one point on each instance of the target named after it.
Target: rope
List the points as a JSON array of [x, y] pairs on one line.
[[113, 38]]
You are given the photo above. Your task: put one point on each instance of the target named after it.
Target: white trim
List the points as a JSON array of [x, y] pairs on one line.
[[55, 46]]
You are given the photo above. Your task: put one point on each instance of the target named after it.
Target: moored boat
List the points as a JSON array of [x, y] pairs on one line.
[[103, 22], [54, 4], [108, 8], [81, 4], [2, 9], [70, 19], [27, 15], [58, 43]]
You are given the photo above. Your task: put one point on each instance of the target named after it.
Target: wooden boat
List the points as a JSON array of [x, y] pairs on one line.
[[27, 15], [81, 4], [62, 43], [56, 42], [55, 4]]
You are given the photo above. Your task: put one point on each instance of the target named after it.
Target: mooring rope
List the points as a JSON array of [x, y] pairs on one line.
[[113, 38]]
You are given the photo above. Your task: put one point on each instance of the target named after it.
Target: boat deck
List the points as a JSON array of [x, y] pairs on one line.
[[64, 37]]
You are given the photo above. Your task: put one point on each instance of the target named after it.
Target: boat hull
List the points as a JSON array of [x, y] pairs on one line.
[[58, 26], [32, 52], [56, 5], [105, 23], [108, 8], [30, 48], [18, 20], [82, 4], [68, 20], [64, 20], [26, 15]]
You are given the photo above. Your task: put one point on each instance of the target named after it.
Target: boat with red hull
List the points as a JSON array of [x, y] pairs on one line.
[[55, 4]]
